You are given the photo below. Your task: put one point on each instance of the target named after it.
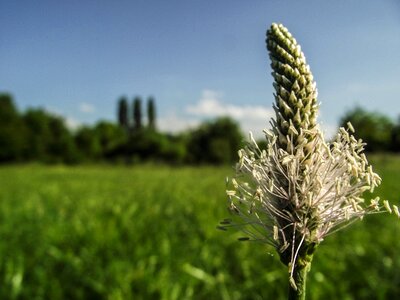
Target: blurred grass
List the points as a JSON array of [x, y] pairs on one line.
[[148, 232]]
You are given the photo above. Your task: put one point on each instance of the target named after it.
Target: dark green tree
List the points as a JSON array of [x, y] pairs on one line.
[[38, 134], [137, 113], [12, 135], [48, 138], [88, 144], [123, 113], [395, 137], [61, 147], [151, 145], [110, 137], [175, 150], [373, 128], [151, 113], [215, 142]]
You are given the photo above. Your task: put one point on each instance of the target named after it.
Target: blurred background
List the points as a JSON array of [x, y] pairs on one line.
[[120, 121]]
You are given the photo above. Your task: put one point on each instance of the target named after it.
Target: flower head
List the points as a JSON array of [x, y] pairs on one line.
[[300, 188]]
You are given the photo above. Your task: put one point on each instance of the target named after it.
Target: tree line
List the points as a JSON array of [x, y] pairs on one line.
[[37, 135], [376, 129]]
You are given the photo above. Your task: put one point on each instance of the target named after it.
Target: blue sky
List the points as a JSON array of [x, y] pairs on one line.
[[199, 59]]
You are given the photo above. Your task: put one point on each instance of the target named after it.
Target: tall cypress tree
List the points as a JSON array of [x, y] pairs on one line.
[[123, 113], [151, 113], [137, 113]]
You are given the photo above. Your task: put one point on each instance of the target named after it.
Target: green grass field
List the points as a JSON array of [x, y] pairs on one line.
[[149, 232]]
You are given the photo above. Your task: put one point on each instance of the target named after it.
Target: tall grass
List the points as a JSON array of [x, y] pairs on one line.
[[149, 233]]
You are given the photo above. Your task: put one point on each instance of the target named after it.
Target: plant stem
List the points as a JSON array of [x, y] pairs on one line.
[[299, 276]]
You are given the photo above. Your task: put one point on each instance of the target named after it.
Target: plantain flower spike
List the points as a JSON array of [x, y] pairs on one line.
[[299, 189]]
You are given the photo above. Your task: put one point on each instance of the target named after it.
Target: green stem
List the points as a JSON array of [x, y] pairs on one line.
[[298, 292]]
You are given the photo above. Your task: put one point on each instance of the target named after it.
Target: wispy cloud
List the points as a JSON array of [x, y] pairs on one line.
[[72, 123], [211, 105], [86, 108], [329, 130], [173, 122], [253, 118]]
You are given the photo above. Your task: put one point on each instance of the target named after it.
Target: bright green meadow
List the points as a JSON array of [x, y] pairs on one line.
[[149, 232]]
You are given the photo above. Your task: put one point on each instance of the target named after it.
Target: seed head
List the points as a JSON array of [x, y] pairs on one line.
[[300, 188]]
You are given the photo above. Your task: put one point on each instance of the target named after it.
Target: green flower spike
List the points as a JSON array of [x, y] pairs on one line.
[[296, 93]]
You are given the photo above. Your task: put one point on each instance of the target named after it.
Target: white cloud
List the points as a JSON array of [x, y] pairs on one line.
[[86, 108], [253, 118], [329, 130], [72, 123], [210, 105], [172, 122]]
